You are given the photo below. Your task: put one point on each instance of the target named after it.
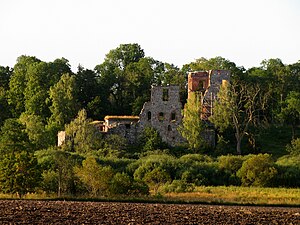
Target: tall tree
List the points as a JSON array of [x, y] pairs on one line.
[[192, 126], [18, 83], [64, 105], [113, 78], [237, 105], [89, 91], [19, 170]]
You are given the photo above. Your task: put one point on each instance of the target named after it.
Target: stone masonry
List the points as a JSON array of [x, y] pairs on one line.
[[163, 112]]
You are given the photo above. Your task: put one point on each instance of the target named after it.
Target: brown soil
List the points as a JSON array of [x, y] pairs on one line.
[[70, 212]]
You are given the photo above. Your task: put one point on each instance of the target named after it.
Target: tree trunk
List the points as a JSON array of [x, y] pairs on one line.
[[238, 147]]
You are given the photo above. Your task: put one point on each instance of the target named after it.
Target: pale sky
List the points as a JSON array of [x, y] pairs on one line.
[[174, 31]]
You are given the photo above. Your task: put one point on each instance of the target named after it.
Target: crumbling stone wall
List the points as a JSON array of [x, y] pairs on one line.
[[125, 126], [163, 112]]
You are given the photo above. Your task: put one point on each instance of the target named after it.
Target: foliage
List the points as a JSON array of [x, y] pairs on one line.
[[13, 138], [156, 178], [192, 127], [19, 173], [258, 170], [150, 140], [238, 105], [94, 176], [294, 147], [288, 171], [230, 164], [82, 136], [178, 186], [19, 170], [290, 111], [64, 104]]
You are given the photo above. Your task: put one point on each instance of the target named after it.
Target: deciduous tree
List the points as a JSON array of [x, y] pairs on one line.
[[237, 105]]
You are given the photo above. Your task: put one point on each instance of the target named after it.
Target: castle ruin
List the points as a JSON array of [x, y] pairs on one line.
[[163, 111]]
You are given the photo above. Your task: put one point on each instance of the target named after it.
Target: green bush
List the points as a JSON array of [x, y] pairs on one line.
[[178, 186], [258, 170], [120, 184], [288, 171], [230, 164]]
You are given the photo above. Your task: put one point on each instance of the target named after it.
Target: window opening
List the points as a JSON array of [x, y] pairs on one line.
[[165, 94], [127, 126], [161, 116], [149, 115], [173, 116], [169, 128]]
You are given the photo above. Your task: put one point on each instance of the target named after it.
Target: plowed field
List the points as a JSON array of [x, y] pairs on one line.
[[70, 212]]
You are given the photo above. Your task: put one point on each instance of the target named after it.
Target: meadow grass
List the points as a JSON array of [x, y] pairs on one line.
[[240, 195], [231, 195]]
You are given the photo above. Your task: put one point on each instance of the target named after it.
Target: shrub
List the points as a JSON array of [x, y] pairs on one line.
[[230, 164], [156, 178], [178, 186], [257, 170], [288, 171], [94, 176], [120, 184], [294, 147]]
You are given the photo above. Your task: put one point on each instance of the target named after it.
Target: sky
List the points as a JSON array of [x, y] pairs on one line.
[[174, 31]]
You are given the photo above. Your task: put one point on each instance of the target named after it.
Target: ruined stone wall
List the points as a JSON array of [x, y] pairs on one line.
[[198, 81], [216, 78], [163, 113], [128, 131]]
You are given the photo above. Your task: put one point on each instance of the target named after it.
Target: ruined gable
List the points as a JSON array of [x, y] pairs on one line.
[[163, 113]]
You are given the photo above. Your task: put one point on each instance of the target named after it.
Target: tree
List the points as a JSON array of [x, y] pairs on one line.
[[237, 105], [19, 173], [13, 138], [5, 75], [82, 135], [18, 83], [87, 84], [290, 111], [19, 170], [94, 176], [216, 63], [192, 127], [64, 104], [113, 79]]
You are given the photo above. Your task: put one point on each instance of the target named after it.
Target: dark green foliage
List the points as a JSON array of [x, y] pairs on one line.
[[19, 170], [123, 184], [288, 171], [179, 186], [294, 147], [258, 170], [19, 173], [150, 140]]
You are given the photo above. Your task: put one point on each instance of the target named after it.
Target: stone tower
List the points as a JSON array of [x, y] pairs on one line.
[[163, 112], [207, 83]]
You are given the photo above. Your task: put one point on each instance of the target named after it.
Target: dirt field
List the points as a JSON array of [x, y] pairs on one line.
[[67, 212]]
